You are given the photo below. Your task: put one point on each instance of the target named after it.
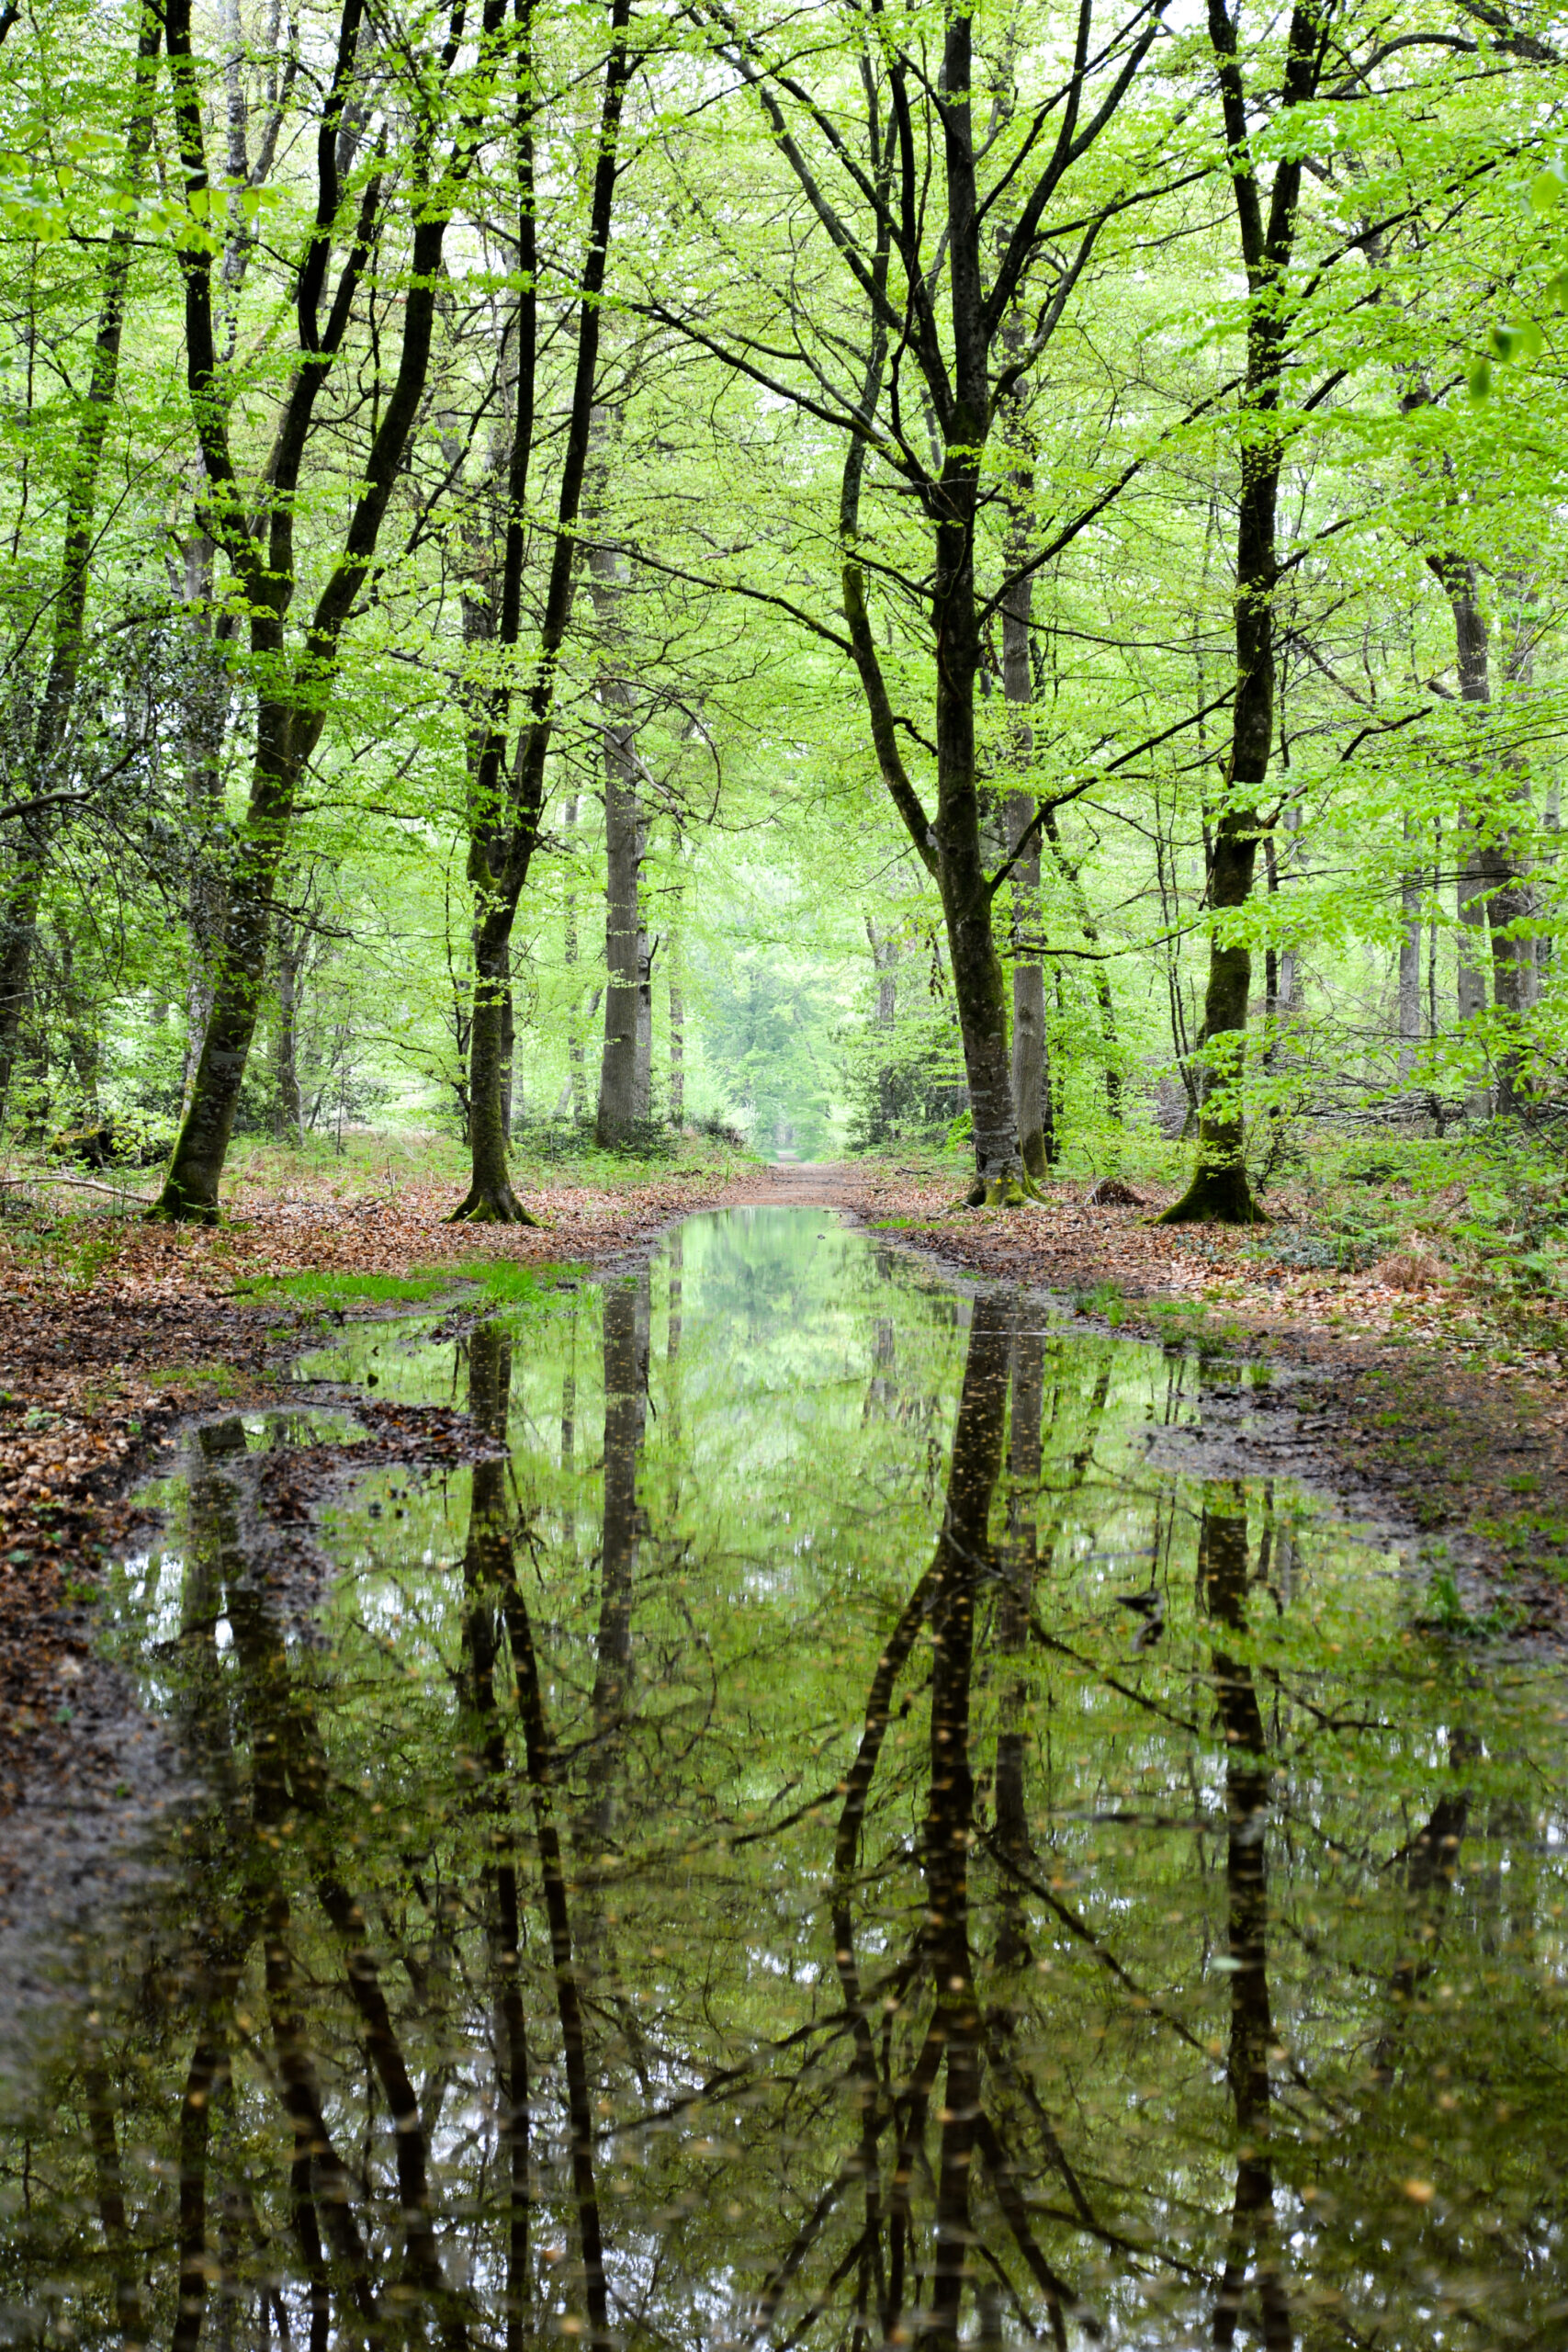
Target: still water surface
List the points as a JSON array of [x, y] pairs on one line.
[[845, 1831]]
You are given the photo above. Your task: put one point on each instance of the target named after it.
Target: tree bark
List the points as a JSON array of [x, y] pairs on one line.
[[24, 893], [626, 1068], [674, 967], [1491, 889], [289, 1111], [1411, 893], [1030, 1076], [623, 1072], [1071, 873], [205, 717]]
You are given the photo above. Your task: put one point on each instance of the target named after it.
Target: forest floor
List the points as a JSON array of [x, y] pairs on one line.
[[1432, 1393]]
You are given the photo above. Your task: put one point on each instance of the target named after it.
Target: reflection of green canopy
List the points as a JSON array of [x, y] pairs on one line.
[[851, 1824]]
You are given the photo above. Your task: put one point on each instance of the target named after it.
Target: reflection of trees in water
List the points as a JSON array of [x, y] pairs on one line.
[[547, 2040]]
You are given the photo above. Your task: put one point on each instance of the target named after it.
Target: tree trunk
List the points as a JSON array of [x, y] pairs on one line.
[[885, 964], [1072, 875], [289, 1111], [24, 896], [1219, 1189], [509, 804], [673, 966], [1223, 1581], [977, 985], [489, 1199], [619, 1075], [1030, 1080], [626, 1413], [205, 715], [190, 1187], [258, 540], [625, 1069], [1410, 897]]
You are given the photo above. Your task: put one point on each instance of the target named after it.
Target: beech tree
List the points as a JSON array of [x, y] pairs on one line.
[[919, 289], [379, 77]]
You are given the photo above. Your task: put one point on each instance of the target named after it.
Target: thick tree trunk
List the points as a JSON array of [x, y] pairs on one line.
[[977, 984], [1219, 1191], [190, 1188], [489, 1199]]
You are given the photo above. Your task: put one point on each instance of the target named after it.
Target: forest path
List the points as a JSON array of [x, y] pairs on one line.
[[799, 1184]]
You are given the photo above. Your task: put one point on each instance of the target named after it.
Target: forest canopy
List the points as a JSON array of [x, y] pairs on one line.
[[858, 575]]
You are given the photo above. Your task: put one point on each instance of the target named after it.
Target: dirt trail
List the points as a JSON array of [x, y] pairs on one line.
[[799, 1184]]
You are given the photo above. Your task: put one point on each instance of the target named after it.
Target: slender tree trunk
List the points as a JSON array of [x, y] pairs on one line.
[[1030, 1080], [1072, 875], [23, 892], [885, 964], [625, 1414], [1223, 1581], [205, 715], [289, 1111], [510, 801], [259, 543], [1410, 897], [623, 1093], [1219, 1189], [1491, 886], [626, 1068], [676, 981]]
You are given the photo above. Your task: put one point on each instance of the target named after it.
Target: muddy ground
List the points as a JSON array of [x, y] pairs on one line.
[[114, 1337]]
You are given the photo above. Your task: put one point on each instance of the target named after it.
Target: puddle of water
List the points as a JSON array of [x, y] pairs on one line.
[[843, 1836]]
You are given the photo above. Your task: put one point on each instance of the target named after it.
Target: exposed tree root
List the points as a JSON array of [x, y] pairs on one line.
[[493, 1205], [175, 1205], [1008, 1191], [1219, 1195]]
